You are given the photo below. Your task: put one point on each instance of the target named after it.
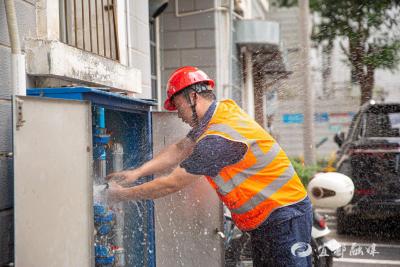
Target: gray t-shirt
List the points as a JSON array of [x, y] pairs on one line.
[[212, 153]]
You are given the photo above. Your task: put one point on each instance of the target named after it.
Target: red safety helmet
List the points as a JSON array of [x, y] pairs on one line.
[[182, 78]]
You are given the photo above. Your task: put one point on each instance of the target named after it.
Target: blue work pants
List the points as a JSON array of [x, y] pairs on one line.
[[284, 239]]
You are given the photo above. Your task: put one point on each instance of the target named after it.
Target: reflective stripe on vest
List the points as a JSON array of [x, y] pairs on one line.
[[266, 192], [262, 161]]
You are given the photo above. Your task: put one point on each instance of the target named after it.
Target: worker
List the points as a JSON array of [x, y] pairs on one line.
[[247, 168]]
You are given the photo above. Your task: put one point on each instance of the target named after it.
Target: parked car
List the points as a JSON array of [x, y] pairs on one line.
[[370, 155]]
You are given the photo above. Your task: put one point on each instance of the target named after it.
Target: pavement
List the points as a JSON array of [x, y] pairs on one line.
[[374, 244]]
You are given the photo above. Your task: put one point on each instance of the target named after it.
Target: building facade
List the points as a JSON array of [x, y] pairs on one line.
[[126, 46], [337, 98], [333, 109], [89, 43]]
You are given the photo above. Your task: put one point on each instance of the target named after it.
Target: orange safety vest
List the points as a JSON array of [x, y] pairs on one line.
[[263, 180]]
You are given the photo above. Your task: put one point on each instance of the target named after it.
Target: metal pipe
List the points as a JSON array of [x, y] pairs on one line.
[[103, 156], [191, 13], [100, 162], [101, 118], [18, 73], [12, 26], [118, 154], [118, 165]]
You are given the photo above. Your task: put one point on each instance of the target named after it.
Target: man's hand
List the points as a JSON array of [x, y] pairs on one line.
[[153, 189], [114, 193], [123, 178]]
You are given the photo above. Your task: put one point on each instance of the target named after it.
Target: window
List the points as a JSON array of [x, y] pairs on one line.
[[352, 128], [153, 58], [90, 25], [383, 124], [360, 131]]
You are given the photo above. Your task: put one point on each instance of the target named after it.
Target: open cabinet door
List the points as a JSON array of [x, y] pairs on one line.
[[186, 222], [52, 183]]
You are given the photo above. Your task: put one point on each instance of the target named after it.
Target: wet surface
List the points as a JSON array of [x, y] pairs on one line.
[[372, 243]]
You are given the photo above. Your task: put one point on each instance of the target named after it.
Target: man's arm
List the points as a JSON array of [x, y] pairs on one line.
[[156, 188], [166, 159]]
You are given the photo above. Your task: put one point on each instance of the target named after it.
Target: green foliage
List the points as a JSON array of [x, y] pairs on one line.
[[306, 172], [385, 57], [368, 31], [370, 26]]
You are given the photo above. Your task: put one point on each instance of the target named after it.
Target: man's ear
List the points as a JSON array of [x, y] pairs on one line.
[[193, 97]]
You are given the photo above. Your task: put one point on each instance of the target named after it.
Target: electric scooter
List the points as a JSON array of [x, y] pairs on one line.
[[324, 249], [327, 190]]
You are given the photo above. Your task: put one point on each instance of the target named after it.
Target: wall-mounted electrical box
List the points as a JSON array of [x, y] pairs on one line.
[[66, 140]]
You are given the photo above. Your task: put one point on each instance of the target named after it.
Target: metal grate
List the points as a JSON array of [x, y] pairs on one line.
[[90, 25]]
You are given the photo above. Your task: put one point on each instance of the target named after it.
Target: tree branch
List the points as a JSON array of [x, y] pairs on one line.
[[347, 53]]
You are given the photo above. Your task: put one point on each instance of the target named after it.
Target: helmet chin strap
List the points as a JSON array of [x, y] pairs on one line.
[[195, 117]]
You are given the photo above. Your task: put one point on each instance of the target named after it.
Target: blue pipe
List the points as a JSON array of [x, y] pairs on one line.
[[101, 121]]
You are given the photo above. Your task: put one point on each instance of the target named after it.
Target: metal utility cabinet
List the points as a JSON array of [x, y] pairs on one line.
[[65, 141]]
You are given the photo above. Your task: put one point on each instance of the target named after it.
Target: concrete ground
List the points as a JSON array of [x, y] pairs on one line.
[[375, 244]]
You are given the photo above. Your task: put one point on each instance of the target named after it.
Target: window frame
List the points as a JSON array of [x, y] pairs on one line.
[[62, 59], [84, 36], [155, 58]]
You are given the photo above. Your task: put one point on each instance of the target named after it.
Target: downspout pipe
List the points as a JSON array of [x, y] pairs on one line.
[[230, 48], [18, 73]]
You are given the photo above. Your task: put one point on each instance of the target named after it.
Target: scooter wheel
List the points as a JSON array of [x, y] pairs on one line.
[[317, 259]]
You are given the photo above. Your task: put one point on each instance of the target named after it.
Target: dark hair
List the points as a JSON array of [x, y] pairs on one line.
[[203, 89]]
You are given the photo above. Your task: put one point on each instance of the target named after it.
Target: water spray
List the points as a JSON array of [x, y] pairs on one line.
[[108, 219]]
